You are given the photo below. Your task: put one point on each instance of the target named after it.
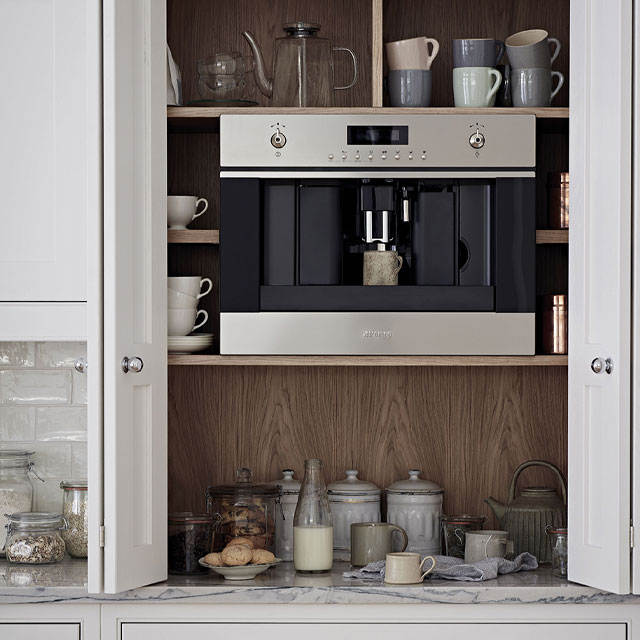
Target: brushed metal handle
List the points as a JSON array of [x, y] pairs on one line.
[[598, 365], [81, 365], [132, 364]]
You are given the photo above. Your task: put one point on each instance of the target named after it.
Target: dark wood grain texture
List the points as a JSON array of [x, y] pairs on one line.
[[445, 20]]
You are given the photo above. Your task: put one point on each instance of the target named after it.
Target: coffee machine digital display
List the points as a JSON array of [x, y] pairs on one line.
[[378, 135]]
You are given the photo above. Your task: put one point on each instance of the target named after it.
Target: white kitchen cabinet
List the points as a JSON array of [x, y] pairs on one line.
[[27, 631], [50, 622]]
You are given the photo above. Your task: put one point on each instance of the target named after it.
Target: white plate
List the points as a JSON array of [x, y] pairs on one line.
[[192, 338], [247, 572]]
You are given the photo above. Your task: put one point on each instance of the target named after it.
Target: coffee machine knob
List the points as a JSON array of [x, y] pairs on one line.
[[477, 140], [278, 139]]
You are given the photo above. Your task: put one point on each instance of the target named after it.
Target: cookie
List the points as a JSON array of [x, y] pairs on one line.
[[248, 529], [236, 555], [214, 559], [262, 556], [247, 542]]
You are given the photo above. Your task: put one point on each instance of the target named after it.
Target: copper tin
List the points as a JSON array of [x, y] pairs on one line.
[[554, 324], [558, 200]]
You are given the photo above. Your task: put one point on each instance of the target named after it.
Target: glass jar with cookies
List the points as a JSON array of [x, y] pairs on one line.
[[246, 510]]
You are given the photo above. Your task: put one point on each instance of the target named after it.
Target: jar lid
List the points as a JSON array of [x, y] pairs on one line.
[[558, 530], [463, 519], [351, 485], [36, 520], [301, 28], [556, 178], [244, 487], [289, 486], [14, 458], [73, 485], [189, 517], [414, 484]]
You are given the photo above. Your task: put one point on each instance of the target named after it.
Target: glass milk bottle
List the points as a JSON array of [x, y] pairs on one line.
[[312, 523]]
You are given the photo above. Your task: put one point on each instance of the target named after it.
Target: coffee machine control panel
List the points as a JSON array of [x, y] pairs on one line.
[[377, 141]]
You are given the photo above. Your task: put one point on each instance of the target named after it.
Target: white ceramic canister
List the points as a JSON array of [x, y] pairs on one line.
[[290, 488], [351, 501], [416, 505]]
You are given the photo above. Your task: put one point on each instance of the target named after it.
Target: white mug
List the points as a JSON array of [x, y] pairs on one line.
[[190, 285], [405, 568], [412, 53], [475, 86], [480, 545], [181, 210], [179, 300], [181, 322]]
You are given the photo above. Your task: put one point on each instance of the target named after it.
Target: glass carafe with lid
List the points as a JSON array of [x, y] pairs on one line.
[[302, 67]]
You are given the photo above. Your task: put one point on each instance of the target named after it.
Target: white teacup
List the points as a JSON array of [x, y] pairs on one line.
[[406, 568], [179, 300], [190, 285], [181, 210], [181, 322]]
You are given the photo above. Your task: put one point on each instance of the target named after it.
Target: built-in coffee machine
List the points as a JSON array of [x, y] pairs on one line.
[[377, 234]]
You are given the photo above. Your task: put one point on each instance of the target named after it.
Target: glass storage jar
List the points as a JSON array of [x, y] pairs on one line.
[[245, 509], [75, 509], [16, 488], [34, 538], [190, 538], [290, 489], [454, 529], [559, 554]]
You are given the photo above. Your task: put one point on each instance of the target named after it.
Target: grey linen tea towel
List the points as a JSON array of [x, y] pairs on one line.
[[455, 569]]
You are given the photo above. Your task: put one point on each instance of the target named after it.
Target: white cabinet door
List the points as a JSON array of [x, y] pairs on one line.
[[599, 293], [28, 631], [50, 153], [135, 293]]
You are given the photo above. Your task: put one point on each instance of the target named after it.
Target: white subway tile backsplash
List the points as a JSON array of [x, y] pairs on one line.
[[60, 423], [79, 460], [17, 354], [17, 423], [52, 459], [21, 386], [79, 388], [59, 354], [48, 494]]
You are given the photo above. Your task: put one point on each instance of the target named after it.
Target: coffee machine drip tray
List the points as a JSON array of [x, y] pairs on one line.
[[377, 333]]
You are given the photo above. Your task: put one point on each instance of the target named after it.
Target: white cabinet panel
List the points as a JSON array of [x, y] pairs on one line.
[[50, 152], [600, 294], [479, 631], [33, 631]]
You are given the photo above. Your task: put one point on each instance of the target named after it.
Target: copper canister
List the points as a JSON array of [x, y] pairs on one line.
[[558, 200], [554, 324]]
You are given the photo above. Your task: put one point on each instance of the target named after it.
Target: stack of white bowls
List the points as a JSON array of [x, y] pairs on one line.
[[183, 315]]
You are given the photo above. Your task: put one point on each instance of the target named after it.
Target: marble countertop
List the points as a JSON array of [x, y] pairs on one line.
[[67, 582]]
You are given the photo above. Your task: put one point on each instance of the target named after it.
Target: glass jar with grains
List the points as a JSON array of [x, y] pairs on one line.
[[34, 538], [75, 509]]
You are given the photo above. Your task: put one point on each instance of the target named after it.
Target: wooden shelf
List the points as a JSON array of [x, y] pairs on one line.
[[193, 236], [369, 361], [552, 236]]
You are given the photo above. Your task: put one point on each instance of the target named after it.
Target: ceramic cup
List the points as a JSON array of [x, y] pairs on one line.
[[412, 53], [381, 268], [372, 541], [190, 285], [181, 322], [181, 210], [409, 87], [475, 86], [480, 545], [179, 300], [477, 52], [406, 568], [531, 49], [533, 87]]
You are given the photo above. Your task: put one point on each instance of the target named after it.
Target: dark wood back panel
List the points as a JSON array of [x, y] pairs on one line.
[[467, 428], [445, 20]]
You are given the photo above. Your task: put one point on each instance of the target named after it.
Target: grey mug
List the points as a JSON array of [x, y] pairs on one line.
[[477, 52], [371, 541], [533, 87], [531, 49], [409, 87]]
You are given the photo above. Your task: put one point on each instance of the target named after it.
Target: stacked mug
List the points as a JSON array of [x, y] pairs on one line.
[[530, 58], [409, 79], [475, 78], [183, 296]]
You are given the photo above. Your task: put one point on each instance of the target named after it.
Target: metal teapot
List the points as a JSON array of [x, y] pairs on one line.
[[527, 516], [302, 67]]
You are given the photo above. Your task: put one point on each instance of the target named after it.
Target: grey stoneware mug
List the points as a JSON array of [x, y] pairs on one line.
[[531, 49], [381, 268], [371, 541], [409, 87], [477, 52], [533, 87]]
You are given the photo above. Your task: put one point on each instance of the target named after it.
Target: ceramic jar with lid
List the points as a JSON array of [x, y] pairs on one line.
[[352, 500], [290, 489], [416, 505]]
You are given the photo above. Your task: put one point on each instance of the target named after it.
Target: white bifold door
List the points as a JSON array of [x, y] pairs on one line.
[[135, 294], [600, 294]]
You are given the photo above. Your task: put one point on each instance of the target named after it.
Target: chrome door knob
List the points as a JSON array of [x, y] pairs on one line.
[[132, 364], [80, 365], [598, 365]]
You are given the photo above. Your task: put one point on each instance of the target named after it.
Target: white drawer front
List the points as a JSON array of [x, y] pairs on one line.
[[479, 631], [28, 631]]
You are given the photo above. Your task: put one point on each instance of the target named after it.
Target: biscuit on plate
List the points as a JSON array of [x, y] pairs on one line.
[[237, 555], [214, 559], [262, 556], [247, 542]]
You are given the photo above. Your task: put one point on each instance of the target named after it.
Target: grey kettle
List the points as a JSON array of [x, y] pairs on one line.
[[527, 516]]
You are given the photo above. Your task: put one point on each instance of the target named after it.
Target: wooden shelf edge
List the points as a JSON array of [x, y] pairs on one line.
[[369, 361], [193, 236], [552, 236]]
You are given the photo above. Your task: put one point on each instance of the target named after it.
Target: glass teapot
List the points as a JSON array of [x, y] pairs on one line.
[[302, 67]]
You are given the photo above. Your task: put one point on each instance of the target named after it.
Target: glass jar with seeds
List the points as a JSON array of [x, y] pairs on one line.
[[75, 509], [34, 538]]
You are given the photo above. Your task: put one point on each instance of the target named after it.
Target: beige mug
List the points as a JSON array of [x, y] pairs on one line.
[[381, 268], [405, 568], [372, 541], [412, 53]]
